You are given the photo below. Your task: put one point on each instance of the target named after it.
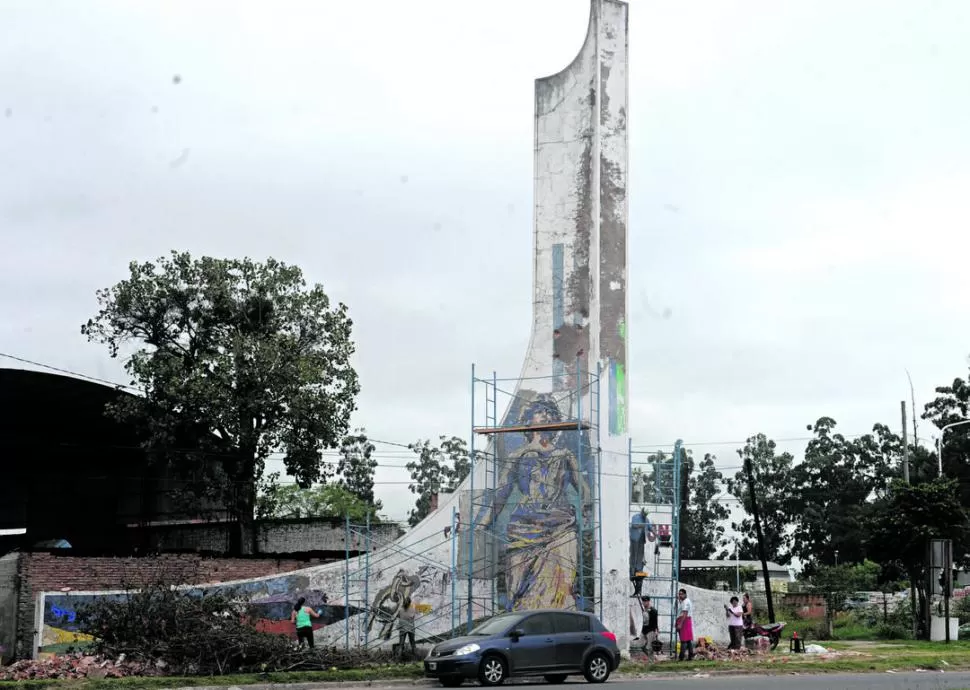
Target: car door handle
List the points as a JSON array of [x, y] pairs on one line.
[[549, 639], [586, 638]]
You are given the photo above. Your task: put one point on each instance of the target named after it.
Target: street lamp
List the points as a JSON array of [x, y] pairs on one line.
[[939, 443], [836, 558]]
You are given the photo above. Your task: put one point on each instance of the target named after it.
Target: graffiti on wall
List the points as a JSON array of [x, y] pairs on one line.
[[270, 604], [540, 510]]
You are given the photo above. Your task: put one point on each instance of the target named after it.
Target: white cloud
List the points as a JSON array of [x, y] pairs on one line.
[[798, 177]]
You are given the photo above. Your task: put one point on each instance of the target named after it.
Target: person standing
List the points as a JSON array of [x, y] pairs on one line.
[[734, 614], [685, 626], [747, 609], [302, 616], [405, 627], [651, 627]]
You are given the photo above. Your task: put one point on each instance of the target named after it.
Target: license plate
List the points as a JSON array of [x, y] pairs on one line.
[[432, 665]]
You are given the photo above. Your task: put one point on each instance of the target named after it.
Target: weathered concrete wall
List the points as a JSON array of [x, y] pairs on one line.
[[8, 606], [274, 537], [59, 574], [579, 329]]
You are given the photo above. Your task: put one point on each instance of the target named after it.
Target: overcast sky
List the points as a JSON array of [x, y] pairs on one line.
[[799, 191]]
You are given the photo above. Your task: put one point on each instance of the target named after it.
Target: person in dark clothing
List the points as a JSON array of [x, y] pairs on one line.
[[651, 627], [405, 626]]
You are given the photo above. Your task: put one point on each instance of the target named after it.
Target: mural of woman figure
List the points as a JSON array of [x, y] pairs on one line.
[[547, 492]]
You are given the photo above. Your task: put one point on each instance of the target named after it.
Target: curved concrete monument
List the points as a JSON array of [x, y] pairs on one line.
[[579, 328]]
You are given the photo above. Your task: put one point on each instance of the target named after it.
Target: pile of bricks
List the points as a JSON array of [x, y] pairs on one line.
[[74, 667]]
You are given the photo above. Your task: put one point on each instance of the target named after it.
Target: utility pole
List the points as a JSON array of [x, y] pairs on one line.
[[902, 407], [761, 537]]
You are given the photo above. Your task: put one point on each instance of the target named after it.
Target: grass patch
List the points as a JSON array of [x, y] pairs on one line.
[[854, 658], [396, 672]]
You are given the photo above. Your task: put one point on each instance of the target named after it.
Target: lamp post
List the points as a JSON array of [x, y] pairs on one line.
[[939, 443], [836, 558]]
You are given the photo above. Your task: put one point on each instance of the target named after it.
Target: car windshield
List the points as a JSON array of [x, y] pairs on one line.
[[497, 624]]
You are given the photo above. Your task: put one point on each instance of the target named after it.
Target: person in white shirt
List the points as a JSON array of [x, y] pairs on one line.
[[685, 626], [734, 614]]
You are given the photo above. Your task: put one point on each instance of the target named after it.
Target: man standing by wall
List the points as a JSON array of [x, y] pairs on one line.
[[651, 627]]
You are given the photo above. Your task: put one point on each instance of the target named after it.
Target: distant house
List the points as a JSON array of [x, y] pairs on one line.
[[702, 573]]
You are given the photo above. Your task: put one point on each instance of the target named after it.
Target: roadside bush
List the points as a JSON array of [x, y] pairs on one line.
[[890, 631], [194, 632]]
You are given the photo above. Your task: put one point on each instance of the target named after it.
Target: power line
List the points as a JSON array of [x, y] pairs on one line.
[[75, 374]]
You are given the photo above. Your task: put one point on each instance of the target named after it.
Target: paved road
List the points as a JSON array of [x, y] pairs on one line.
[[929, 680]]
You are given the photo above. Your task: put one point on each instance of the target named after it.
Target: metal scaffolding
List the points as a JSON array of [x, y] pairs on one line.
[[550, 426], [655, 483], [365, 623]]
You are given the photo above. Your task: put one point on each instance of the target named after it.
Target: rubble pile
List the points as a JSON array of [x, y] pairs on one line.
[[75, 667]]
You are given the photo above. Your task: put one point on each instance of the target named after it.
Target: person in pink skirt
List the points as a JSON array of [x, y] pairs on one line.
[[685, 626]]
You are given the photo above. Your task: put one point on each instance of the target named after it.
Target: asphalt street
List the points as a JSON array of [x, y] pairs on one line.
[[929, 680]]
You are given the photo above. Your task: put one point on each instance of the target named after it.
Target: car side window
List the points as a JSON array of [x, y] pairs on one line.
[[537, 625], [570, 623]]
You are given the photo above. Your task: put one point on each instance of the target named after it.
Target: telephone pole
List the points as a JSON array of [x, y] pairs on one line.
[[902, 407], [912, 584], [761, 537]]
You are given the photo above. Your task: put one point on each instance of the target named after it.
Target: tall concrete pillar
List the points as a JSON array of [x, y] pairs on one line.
[[580, 245]]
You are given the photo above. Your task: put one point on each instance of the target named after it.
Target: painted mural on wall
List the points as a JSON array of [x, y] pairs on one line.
[[540, 510], [271, 600], [389, 601]]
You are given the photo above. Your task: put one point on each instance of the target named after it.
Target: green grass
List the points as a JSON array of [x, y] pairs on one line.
[[859, 658], [396, 672]]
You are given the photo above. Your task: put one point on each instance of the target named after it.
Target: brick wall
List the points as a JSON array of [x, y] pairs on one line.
[[51, 572], [8, 606], [274, 537]]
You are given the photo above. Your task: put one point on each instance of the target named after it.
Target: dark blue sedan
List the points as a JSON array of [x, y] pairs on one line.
[[554, 644]]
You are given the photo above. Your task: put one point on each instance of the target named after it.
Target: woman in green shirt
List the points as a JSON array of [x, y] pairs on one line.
[[301, 616]]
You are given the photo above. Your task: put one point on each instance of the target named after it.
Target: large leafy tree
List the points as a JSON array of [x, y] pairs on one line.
[[437, 469], [910, 516], [833, 489], [236, 360], [772, 481], [951, 405], [702, 528], [283, 501], [357, 466]]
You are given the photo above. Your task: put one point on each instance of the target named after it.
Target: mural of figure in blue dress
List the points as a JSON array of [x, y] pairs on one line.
[[541, 509]]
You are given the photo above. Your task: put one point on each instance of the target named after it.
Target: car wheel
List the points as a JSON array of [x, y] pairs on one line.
[[556, 678], [452, 682], [492, 670], [597, 668]]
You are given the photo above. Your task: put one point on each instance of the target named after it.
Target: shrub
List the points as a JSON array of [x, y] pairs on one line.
[[197, 632], [890, 631]]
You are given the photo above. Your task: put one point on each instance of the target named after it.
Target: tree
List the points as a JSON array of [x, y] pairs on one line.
[[658, 476], [833, 489], [911, 515], [772, 475], [357, 466], [702, 530], [438, 469], [838, 582], [290, 501], [951, 405], [236, 360]]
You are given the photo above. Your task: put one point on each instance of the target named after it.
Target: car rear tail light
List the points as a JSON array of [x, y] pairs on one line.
[[609, 636]]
